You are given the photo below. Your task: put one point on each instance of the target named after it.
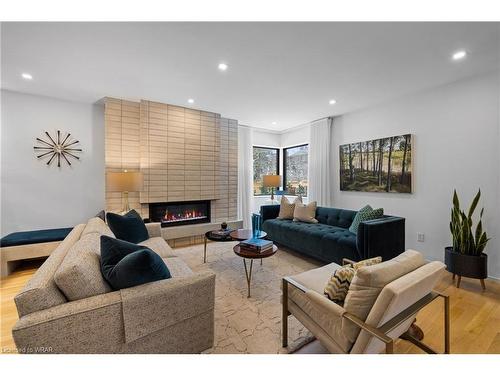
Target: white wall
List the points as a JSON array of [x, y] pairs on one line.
[[456, 132], [36, 196], [296, 136], [456, 145], [266, 138]]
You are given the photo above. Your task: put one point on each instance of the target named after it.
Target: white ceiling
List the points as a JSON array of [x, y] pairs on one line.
[[278, 72]]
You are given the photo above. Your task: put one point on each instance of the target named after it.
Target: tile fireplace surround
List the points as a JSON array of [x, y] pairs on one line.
[[183, 154]]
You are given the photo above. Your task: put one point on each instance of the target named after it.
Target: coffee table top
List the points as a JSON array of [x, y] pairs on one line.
[[211, 237], [244, 253], [245, 234]]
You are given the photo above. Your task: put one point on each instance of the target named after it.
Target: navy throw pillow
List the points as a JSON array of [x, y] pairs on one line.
[[128, 227], [124, 264]]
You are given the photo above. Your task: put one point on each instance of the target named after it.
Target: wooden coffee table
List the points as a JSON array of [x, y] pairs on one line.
[[235, 235], [251, 255]]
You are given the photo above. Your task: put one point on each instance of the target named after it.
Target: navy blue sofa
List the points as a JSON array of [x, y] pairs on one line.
[[330, 239]]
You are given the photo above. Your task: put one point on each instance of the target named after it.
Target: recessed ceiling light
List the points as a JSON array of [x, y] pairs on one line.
[[27, 76], [332, 101], [190, 101], [459, 55], [222, 66], [273, 123]]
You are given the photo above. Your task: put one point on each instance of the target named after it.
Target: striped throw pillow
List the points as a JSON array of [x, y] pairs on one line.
[[337, 287], [339, 283]]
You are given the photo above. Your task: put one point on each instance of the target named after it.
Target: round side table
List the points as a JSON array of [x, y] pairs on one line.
[[209, 236], [251, 255]]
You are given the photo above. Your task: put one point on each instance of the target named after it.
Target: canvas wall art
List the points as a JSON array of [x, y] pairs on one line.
[[378, 165]]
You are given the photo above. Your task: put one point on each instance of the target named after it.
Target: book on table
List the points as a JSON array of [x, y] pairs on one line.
[[256, 244]]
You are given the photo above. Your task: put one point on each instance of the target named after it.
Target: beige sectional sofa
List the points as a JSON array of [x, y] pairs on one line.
[[67, 306]]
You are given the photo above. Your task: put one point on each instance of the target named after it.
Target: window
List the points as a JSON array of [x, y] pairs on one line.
[[265, 161], [295, 166]]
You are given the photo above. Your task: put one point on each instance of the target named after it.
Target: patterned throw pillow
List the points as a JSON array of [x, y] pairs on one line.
[[337, 287], [339, 283], [366, 213], [287, 208], [367, 262]]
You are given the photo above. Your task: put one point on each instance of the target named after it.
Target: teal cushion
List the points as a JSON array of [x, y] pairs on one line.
[[124, 264], [366, 213], [129, 227]]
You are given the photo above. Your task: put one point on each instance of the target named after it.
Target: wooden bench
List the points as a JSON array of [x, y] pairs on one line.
[[28, 245]]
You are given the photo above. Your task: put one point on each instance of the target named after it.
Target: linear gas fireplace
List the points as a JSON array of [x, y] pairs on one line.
[[180, 213]]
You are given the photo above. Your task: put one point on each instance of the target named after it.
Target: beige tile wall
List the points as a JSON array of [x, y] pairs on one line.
[[121, 146], [184, 154]]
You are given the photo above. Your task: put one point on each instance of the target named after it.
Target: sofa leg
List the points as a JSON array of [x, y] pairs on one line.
[[284, 318]]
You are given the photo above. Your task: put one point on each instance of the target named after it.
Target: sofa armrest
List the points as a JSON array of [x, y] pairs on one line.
[[269, 212], [328, 307], [154, 229], [383, 237], [150, 307], [92, 322]]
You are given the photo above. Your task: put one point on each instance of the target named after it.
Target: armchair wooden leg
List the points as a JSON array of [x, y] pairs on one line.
[[389, 347], [446, 324], [284, 318], [416, 331]]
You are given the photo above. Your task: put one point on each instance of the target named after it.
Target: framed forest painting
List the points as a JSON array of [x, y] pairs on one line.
[[378, 165]]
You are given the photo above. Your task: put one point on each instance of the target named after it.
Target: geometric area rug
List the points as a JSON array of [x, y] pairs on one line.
[[249, 325]]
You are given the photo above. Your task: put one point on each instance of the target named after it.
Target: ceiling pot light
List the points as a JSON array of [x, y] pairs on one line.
[[459, 55], [273, 123], [332, 101], [190, 101], [222, 66], [27, 76]]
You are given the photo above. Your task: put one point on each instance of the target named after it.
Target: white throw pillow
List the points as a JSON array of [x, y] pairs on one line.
[[287, 209], [305, 212]]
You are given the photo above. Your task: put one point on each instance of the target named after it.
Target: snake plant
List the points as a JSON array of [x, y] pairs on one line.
[[464, 240]]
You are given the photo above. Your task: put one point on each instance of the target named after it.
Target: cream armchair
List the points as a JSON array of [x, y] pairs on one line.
[[380, 306]]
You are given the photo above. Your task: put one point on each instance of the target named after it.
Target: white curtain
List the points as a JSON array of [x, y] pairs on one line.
[[245, 175], [321, 162]]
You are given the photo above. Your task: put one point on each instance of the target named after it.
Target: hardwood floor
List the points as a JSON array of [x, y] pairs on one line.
[[475, 315]]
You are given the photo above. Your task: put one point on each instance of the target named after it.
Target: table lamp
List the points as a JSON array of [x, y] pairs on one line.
[[272, 181], [124, 182]]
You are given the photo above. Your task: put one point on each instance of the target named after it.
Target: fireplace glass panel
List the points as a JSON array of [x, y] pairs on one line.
[[180, 213]]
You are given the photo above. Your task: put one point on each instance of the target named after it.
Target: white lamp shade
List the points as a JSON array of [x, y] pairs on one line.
[[124, 181]]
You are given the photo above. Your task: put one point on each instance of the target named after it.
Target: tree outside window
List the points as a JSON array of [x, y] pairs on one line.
[[265, 162], [295, 162]]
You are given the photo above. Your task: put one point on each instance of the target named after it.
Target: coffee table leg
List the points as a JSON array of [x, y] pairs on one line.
[[248, 274], [205, 251]]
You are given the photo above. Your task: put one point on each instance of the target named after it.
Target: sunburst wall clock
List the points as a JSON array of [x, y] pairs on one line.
[[57, 148]]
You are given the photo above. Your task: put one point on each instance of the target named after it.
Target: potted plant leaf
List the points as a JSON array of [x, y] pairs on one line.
[[466, 257]]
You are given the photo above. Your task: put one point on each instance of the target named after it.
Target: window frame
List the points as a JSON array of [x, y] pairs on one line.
[[284, 166], [278, 150]]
